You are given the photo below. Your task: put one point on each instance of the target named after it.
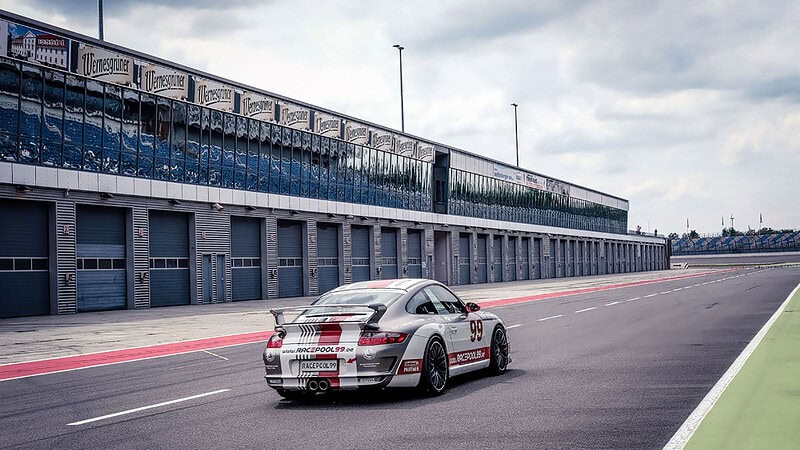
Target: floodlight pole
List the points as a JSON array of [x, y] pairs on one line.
[[516, 132], [100, 19], [400, 49]]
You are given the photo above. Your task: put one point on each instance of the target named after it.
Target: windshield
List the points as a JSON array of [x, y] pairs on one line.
[[364, 297]]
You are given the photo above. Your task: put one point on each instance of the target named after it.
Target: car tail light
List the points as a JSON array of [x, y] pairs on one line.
[[381, 338], [275, 341]]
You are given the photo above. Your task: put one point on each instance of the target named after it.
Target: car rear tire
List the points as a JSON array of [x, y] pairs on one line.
[[499, 353], [435, 370]]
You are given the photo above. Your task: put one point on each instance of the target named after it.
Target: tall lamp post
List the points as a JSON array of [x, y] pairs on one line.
[[402, 113], [516, 133], [100, 19]]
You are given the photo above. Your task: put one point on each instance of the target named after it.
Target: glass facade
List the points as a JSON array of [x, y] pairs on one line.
[[52, 118], [476, 195]]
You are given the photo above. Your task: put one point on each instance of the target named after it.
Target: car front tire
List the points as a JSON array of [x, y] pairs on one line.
[[499, 352], [435, 370]]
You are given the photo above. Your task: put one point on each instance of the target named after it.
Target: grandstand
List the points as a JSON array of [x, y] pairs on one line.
[[786, 241]]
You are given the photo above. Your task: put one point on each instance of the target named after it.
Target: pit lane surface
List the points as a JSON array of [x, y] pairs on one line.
[[611, 369]]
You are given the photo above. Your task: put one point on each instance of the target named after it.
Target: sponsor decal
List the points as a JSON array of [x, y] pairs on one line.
[[257, 106], [319, 349], [272, 366], [558, 187], [166, 82], [356, 133], [410, 366], [270, 355], [369, 365], [468, 356], [369, 353], [517, 176], [214, 95], [94, 62]]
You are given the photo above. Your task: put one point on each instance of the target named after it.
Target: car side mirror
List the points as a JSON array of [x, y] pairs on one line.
[[473, 307]]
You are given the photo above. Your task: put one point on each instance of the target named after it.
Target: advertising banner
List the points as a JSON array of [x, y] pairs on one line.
[[257, 106], [29, 44], [405, 147], [382, 140], [104, 65], [296, 117], [507, 174], [535, 181], [167, 82], [558, 187], [212, 94], [356, 133], [425, 151], [327, 125]]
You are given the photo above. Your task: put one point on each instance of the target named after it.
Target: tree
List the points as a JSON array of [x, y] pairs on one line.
[[673, 236], [691, 235]]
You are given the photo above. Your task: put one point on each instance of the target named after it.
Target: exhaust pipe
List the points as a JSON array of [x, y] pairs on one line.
[[313, 385], [324, 385]]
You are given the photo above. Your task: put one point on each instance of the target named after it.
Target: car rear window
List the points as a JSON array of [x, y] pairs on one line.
[[365, 297]]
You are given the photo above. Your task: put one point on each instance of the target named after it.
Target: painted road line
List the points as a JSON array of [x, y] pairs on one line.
[[145, 408], [665, 292], [551, 317], [649, 295], [585, 309], [513, 326], [677, 289], [689, 426], [633, 299], [611, 304]]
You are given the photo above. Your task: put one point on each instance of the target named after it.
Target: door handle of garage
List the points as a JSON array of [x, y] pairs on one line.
[[454, 329]]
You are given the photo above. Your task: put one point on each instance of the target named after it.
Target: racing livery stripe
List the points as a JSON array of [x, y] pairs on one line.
[[330, 333], [468, 356], [380, 284]]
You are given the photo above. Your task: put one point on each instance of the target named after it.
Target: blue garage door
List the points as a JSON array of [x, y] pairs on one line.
[[554, 265], [101, 260], [290, 259], [497, 261], [537, 259], [328, 256], [578, 259], [359, 237], [562, 259], [24, 266], [482, 259], [512, 259], [245, 258], [415, 253], [169, 258], [525, 258], [464, 259], [569, 267], [388, 253]]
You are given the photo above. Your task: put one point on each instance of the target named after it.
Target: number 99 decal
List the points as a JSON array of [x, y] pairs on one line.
[[475, 330]]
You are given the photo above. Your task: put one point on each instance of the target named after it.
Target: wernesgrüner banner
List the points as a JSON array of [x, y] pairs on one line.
[[213, 95], [159, 80], [103, 65]]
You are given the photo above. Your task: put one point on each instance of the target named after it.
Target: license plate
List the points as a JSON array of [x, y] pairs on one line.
[[328, 365]]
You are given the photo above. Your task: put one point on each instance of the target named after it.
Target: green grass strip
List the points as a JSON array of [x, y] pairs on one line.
[[760, 409]]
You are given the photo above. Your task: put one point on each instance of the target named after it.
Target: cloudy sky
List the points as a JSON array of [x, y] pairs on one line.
[[688, 109]]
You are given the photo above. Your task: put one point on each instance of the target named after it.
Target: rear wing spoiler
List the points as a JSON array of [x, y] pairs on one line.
[[375, 311]]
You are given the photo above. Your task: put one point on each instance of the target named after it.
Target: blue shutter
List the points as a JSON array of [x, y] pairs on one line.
[[245, 258], [359, 237], [497, 261], [464, 259], [101, 285], [512, 259], [328, 256], [169, 242], [415, 253], [290, 259], [24, 242], [388, 253], [482, 268]]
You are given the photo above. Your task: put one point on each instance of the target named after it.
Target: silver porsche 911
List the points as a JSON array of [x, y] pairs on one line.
[[382, 334]]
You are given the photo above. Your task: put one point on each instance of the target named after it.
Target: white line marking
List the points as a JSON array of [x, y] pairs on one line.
[[513, 326], [143, 408], [688, 287], [611, 304], [551, 317], [585, 309], [685, 432], [665, 292], [632, 299], [650, 295], [677, 289], [218, 356]]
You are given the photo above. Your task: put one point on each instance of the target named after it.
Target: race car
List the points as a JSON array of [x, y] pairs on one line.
[[382, 334]]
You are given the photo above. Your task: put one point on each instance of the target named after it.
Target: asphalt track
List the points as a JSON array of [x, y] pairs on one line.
[[610, 369], [761, 258]]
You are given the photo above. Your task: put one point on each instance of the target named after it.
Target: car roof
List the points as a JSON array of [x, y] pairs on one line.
[[402, 284]]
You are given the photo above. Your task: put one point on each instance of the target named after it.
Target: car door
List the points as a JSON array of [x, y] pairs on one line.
[[470, 343]]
